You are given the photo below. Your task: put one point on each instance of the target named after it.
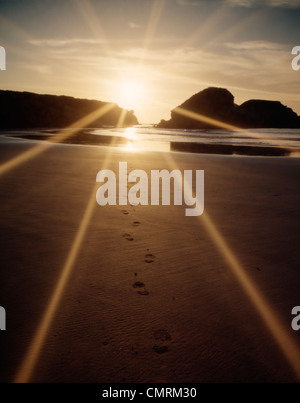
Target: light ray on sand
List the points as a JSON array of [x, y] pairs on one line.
[[278, 331], [27, 367], [31, 358], [58, 138]]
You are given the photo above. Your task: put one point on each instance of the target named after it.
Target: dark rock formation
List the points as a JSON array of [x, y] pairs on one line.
[[259, 113], [25, 110], [212, 105]]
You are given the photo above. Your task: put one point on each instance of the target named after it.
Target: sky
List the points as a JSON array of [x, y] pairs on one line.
[[151, 55]]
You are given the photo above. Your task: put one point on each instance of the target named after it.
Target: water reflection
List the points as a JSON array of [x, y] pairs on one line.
[[139, 143], [131, 133], [130, 147]]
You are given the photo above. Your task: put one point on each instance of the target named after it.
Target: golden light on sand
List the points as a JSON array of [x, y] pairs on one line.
[[286, 343], [130, 147], [131, 135], [29, 362]]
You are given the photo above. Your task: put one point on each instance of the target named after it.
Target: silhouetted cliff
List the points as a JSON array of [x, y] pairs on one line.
[[199, 111], [24, 110], [259, 113]]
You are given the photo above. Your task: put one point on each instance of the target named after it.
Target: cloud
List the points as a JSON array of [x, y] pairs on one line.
[[245, 3], [37, 68], [133, 25], [265, 3], [64, 42], [189, 2], [255, 45], [254, 65]]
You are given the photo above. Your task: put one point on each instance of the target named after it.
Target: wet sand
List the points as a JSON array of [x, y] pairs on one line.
[[230, 149], [150, 297]]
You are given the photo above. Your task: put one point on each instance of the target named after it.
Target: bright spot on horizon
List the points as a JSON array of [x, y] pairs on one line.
[[129, 94], [131, 133]]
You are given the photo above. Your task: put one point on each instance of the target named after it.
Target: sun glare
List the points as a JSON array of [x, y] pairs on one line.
[[130, 147], [130, 93], [130, 133]]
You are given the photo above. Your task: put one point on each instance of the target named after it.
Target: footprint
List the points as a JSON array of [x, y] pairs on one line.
[[143, 292], [162, 335], [136, 223], [149, 258], [128, 237], [107, 341], [138, 284], [160, 349], [133, 351], [124, 212]]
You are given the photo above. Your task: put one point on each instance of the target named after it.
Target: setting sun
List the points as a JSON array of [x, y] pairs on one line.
[[130, 93]]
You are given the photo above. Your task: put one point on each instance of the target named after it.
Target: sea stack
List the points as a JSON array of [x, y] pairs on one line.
[[217, 104]]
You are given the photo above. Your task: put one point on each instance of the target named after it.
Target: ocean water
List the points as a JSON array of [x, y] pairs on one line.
[[150, 138], [145, 137]]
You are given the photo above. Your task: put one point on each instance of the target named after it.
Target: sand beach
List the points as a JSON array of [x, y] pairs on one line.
[[144, 293]]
